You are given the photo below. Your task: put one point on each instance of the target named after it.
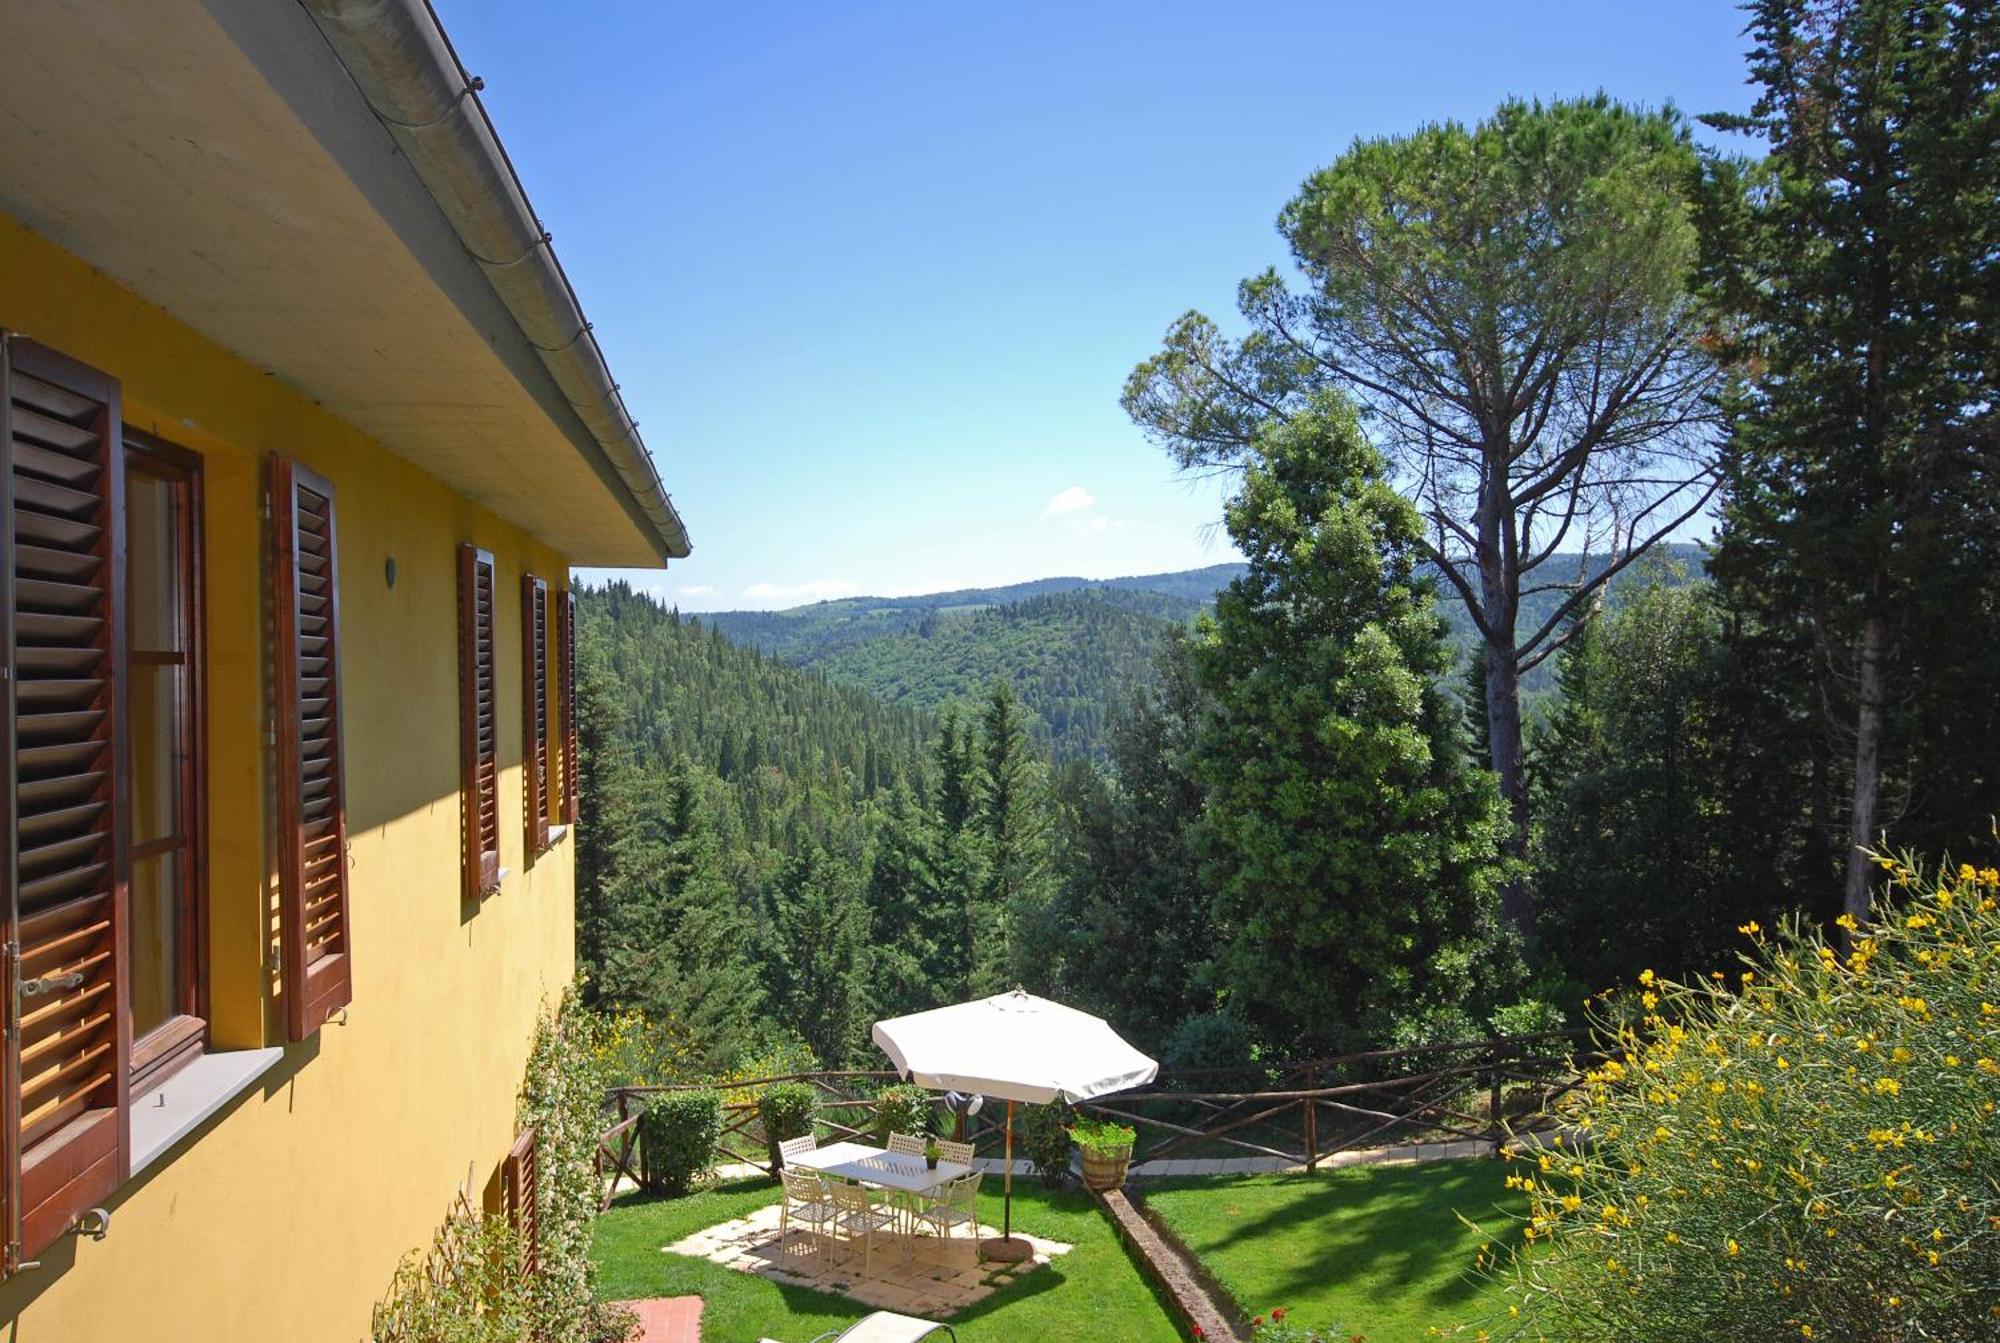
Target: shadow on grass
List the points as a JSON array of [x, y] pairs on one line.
[[1380, 1233]]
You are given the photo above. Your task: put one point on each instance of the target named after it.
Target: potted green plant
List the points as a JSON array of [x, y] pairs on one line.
[[1107, 1151], [931, 1154]]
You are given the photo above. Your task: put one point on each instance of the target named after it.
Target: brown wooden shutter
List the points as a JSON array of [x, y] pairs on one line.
[[478, 723], [67, 1026], [568, 671], [535, 715], [519, 1190], [312, 804]]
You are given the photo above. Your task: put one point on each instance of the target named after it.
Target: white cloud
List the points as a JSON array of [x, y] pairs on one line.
[[812, 590], [1075, 499], [699, 590]]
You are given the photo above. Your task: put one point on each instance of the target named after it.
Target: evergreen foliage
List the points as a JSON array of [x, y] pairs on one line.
[[1511, 303], [1355, 856], [1861, 263], [1647, 774], [678, 1133]]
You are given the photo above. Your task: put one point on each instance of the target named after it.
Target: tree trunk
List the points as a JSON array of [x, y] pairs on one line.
[[1867, 767], [1503, 728]]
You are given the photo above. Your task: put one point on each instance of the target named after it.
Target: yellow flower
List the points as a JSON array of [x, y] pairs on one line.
[[1646, 978], [1750, 929], [1733, 1249], [1887, 1086]]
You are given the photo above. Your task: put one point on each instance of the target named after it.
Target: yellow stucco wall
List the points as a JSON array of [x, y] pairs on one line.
[[284, 1217]]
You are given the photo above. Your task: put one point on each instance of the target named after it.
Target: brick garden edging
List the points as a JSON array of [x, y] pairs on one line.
[[1171, 1268]]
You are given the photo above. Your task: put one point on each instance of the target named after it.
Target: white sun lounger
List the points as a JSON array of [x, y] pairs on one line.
[[885, 1327]]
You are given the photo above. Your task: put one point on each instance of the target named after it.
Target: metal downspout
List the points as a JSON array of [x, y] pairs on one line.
[[407, 71]]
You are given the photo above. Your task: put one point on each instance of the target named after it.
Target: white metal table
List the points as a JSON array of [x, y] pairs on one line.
[[872, 1165]]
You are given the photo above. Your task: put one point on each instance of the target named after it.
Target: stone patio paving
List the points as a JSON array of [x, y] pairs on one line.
[[941, 1278]]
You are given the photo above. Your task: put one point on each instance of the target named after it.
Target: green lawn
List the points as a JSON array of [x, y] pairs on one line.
[[1375, 1250], [1094, 1290]]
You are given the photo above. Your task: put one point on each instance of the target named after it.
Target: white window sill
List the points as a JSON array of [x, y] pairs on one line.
[[557, 833], [178, 1106]]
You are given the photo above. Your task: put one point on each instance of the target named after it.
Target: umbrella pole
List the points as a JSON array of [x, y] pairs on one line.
[[1007, 1249], [1007, 1180]]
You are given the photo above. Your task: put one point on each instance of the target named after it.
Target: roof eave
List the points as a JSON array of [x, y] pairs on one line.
[[407, 72]]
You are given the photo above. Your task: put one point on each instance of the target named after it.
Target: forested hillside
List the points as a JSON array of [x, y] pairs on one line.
[[766, 858], [805, 635], [1073, 657], [682, 690], [1075, 651]]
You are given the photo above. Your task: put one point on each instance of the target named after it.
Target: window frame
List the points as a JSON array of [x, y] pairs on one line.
[[183, 1037], [314, 990], [537, 718], [478, 771]]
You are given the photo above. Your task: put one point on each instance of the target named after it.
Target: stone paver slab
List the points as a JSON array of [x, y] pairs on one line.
[[938, 1277]]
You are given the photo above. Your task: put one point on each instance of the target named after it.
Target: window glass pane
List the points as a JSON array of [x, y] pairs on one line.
[[155, 922], [154, 711], [152, 564]]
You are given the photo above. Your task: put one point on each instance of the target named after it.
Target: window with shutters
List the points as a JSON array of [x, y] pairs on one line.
[[167, 907], [67, 1022], [535, 725], [519, 1193], [479, 724], [567, 611], [311, 797]]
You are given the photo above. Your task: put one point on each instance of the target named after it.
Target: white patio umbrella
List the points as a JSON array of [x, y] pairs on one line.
[[1016, 1047]]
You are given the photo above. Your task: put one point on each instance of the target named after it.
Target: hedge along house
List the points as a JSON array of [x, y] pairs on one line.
[[304, 429]]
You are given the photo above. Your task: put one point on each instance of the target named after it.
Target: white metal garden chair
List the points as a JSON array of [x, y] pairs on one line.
[[959, 1153], [908, 1204], [956, 1206], [806, 1202], [858, 1215], [796, 1147]]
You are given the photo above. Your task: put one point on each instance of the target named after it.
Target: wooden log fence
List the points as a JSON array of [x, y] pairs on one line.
[[1299, 1112]]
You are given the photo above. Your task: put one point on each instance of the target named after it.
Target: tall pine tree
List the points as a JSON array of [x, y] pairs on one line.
[[1864, 269], [1357, 858]]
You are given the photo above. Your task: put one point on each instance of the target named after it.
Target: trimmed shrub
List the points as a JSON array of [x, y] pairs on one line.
[[1041, 1134], [904, 1109], [1804, 1149], [678, 1131], [1209, 1040], [786, 1110]]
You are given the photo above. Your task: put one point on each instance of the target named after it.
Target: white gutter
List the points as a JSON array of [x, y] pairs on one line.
[[406, 69]]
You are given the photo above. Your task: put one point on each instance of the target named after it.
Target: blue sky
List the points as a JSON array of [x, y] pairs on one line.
[[872, 275]]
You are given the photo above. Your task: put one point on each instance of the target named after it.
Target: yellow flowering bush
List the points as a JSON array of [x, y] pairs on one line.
[[1803, 1148]]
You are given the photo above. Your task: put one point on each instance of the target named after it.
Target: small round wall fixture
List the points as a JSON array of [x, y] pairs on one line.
[[389, 571]]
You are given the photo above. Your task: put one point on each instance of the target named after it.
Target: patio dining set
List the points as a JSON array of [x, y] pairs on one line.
[[849, 1192]]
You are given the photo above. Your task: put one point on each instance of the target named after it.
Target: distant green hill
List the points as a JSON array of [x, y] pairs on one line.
[[1073, 657], [807, 634], [1074, 648]]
